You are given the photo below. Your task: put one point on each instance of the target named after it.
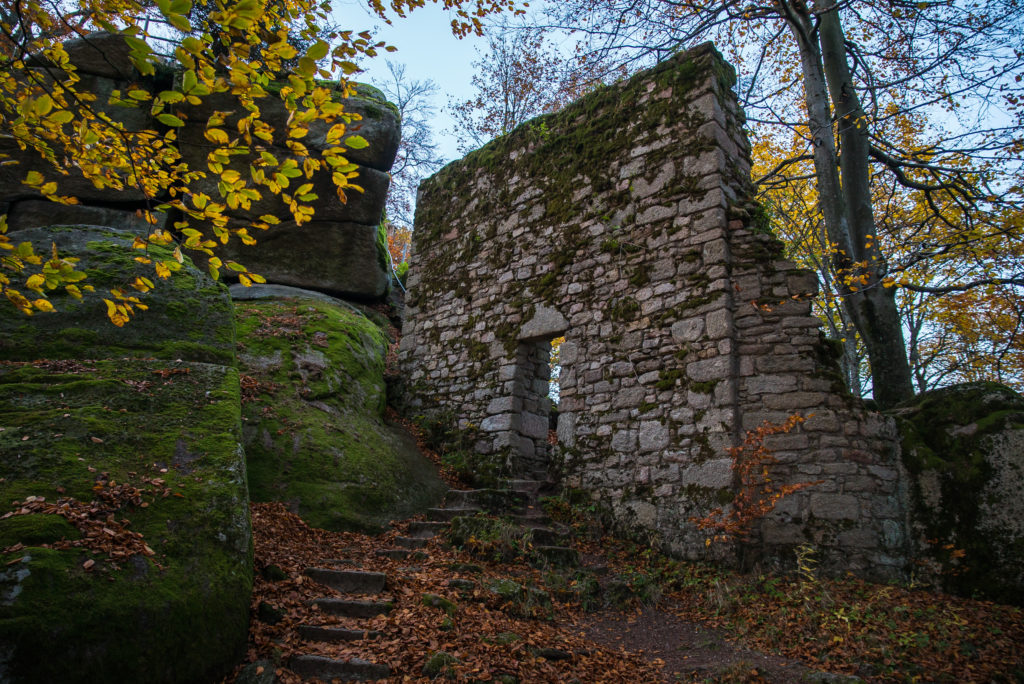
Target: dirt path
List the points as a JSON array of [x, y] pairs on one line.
[[691, 652]]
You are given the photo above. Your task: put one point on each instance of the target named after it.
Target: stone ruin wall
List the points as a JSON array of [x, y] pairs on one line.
[[625, 222]]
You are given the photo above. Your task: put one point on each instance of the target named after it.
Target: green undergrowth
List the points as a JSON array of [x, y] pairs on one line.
[[313, 410], [70, 428], [490, 538], [458, 450]]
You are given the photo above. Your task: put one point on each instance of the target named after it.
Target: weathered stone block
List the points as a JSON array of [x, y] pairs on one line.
[[653, 436], [835, 506]]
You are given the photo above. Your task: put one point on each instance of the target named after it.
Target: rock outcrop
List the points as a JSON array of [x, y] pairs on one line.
[[340, 251], [963, 447], [313, 411], [132, 431]]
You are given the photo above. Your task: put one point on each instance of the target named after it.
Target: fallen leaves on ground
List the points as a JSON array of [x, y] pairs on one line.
[[486, 641], [102, 531], [878, 632], [881, 633]]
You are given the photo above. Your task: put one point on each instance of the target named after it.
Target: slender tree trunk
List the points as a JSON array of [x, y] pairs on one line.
[[845, 200]]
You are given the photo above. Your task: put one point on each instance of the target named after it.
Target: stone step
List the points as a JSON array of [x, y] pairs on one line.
[[411, 542], [351, 608], [321, 633], [494, 500], [319, 667], [558, 556], [349, 581], [532, 518], [529, 487], [548, 536], [446, 514], [426, 529]]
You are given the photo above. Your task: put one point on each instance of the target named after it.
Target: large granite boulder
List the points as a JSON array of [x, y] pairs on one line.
[[339, 251], [349, 259], [125, 546], [189, 315], [102, 64], [313, 409], [74, 433], [963, 447]]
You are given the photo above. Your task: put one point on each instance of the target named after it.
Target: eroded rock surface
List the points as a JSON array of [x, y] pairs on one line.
[[313, 406], [963, 447], [134, 430]]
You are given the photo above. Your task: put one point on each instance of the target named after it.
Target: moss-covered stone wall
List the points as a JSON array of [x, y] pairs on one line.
[[626, 223]]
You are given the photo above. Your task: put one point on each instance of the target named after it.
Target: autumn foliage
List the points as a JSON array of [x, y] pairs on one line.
[[758, 493], [245, 50]]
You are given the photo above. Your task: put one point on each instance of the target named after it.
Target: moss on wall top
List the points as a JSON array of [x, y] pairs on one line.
[[577, 142], [77, 429]]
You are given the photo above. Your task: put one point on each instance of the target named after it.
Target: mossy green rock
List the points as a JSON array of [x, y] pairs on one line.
[[315, 436], [963, 447], [189, 315], [180, 615]]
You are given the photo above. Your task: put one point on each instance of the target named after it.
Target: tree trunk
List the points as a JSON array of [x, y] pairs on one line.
[[846, 201]]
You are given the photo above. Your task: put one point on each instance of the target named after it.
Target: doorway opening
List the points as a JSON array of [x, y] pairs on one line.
[[536, 391], [554, 389]]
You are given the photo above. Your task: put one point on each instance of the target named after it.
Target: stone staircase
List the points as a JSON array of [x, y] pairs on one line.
[[518, 500], [347, 614]]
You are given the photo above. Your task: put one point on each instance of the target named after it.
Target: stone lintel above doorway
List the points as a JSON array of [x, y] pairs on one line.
[[546, 323]]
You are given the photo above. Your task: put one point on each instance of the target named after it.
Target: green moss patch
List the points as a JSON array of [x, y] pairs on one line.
[[964, 449], [315, 436], [189, 315], [180, 615]]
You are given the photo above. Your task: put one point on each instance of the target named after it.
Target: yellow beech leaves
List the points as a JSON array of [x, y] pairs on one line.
[[237, 52]]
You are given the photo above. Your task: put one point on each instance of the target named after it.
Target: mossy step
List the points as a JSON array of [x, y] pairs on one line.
[[492, 500], [349, 581], [411, 542], [533, 517], [547, 536], [320, 633], [529, 487], [559, 556], [319, 667], [446, 514], [426, 529], [401, 554], [352, 609]]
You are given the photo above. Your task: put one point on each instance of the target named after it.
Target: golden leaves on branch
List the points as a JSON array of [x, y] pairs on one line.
[[76, 135]]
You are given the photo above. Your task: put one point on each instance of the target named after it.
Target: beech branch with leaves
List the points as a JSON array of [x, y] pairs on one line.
[[47, 111]]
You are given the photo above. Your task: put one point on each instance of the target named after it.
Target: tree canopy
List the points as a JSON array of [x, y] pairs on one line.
[[905, 117]]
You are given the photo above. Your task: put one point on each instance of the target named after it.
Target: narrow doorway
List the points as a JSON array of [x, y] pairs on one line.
[[554, 393]]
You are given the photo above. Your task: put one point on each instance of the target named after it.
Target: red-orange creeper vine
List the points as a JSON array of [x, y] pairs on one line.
[[758, 494]]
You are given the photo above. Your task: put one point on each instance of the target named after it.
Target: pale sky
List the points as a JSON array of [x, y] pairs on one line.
[[427, 48]]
